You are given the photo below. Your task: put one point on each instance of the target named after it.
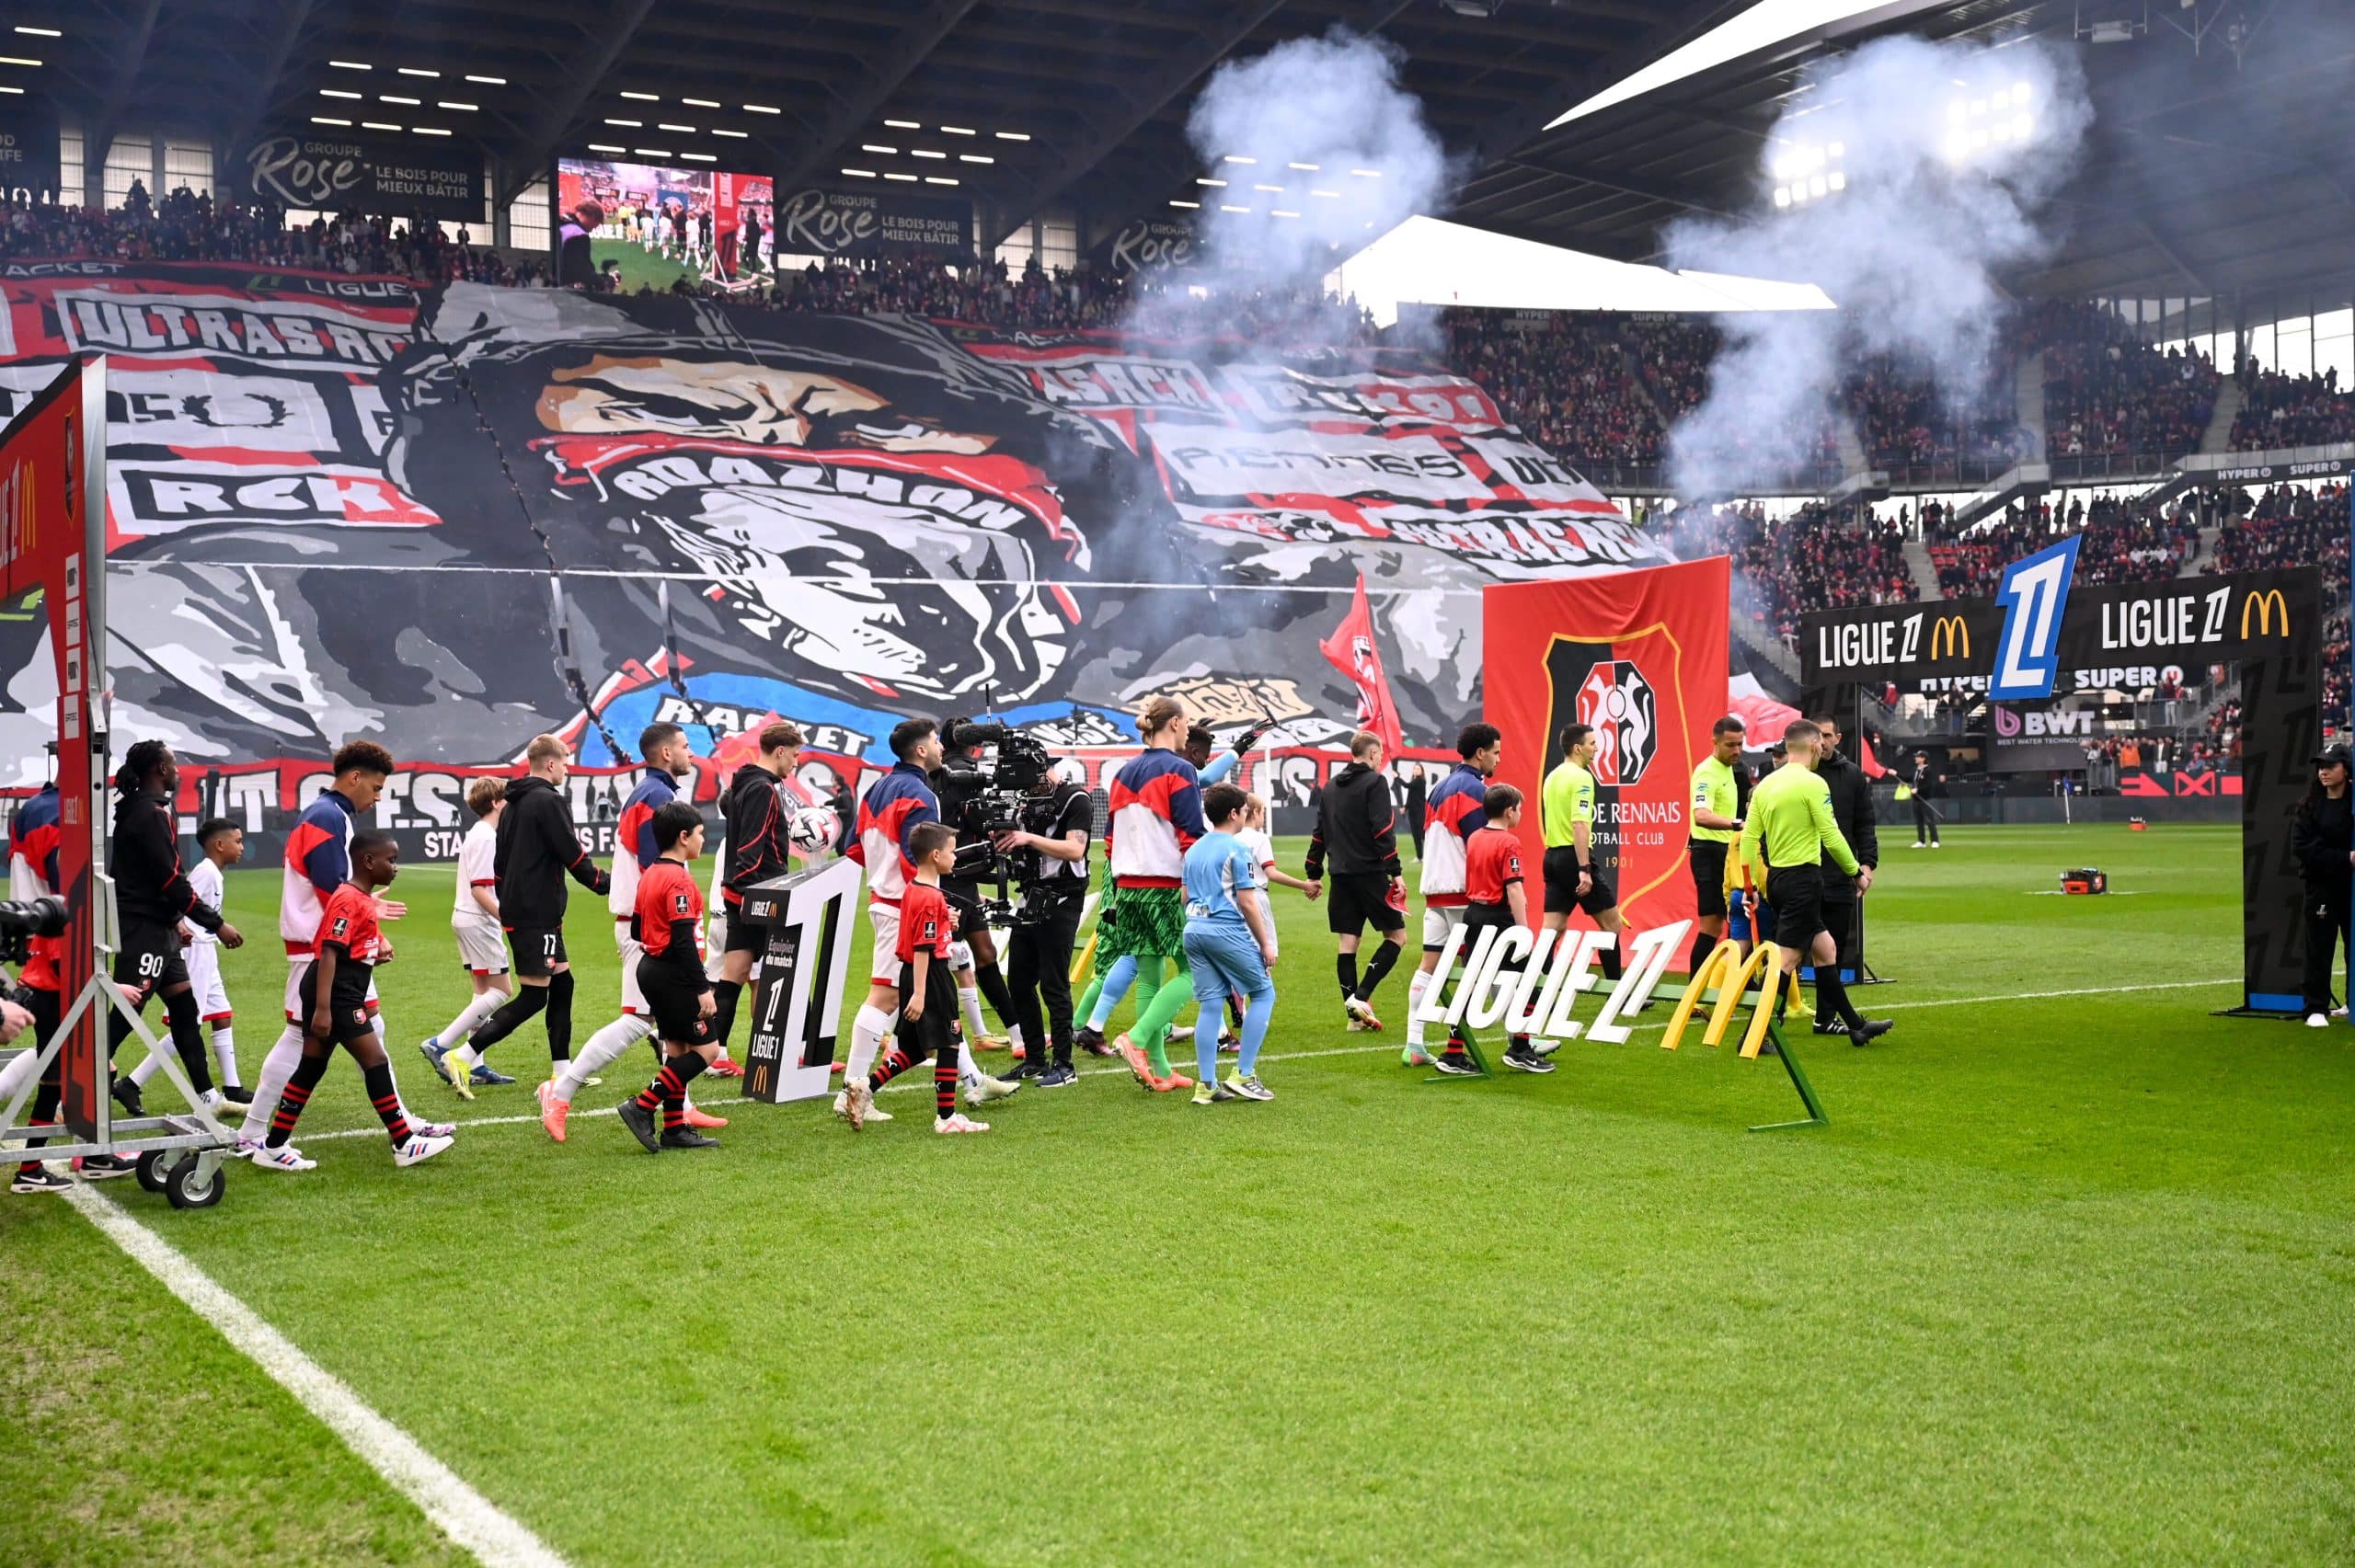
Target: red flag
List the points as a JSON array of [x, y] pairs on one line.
[[1350, 650], [1867, 761]]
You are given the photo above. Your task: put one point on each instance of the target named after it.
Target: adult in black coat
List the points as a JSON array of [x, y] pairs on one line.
[[2322, 835]]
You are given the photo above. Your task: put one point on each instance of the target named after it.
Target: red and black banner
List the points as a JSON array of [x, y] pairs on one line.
[[1641, 656]]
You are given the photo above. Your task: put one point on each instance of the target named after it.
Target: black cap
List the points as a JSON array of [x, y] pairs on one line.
[[2334, 753]]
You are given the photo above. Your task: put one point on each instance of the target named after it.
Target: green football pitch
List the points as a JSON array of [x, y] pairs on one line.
[[2071, 1274]]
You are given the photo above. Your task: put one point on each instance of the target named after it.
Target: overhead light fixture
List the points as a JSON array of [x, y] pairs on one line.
[[733, 135], [463, 107], [417, 71], [13, 92], [701, 103], [974, 158], [645, 97], [1214, 184], [316, 120], [17, 60], [903, 178], [1189, 206], [959, 131], [700, 157], [633, 124], [938, 179], [1272, 190], [879, 147], [489, 81], [1367, 173], [1782, 196], [605, 147], [1012, 135], [351, 65], [762, 109], [39, 32], [925, 153], [1328, 195], [1837, 179], [682, 130], [1279, 212], [653, 151], [860, 174], [903, 125], [1306, 168], [339, 93], [396, 97], [429, 131], [377, 125], [1224, 208]]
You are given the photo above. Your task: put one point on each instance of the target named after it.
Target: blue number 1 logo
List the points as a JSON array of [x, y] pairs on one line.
[[2034, 592]]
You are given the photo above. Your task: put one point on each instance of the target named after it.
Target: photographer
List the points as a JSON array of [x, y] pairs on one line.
[[1050, 853], [960, 786]]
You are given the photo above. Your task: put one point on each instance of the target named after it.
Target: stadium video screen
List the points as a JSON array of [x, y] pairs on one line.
[[664, 225]]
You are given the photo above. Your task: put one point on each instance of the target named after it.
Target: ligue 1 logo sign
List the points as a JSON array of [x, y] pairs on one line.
[[1530, 981], [1618, 702]]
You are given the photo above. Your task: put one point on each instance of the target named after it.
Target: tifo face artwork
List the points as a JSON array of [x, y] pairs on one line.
[[856, 519]]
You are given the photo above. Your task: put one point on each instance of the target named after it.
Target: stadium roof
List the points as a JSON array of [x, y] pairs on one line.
[[2208, 174]]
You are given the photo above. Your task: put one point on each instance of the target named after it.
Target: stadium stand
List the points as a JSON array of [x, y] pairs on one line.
[[2123, 541], [2108, 395], [2287, 411], [1806, 561]]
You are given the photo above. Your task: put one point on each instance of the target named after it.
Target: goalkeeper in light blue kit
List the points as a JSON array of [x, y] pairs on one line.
[[1231, 943]]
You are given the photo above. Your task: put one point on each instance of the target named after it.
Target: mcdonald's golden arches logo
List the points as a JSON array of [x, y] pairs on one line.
[[1950, 635], [2266, 605]]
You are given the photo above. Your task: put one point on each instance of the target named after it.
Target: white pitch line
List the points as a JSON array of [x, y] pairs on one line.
[[923, 1081], [465, 1516]]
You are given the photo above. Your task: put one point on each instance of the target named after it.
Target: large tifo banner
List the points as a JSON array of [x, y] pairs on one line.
[[340, 507], [2041, 636], [1641, 657]]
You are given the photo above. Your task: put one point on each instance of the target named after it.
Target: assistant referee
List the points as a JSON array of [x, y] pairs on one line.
[[1719, 785], [1786, 838]]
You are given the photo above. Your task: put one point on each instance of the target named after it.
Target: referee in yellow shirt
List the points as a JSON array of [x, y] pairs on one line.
[[1573, 880], [1717, 790], [1786, 836]]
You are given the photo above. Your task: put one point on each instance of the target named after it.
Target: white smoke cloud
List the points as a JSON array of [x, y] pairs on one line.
[[1322, 150], [1949, 154]]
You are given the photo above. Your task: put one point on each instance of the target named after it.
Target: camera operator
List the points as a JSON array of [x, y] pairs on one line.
[[960, 785], [1058, 819]]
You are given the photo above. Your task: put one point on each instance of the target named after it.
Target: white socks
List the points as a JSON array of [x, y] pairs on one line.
[[224, 1051], [866, 1032], [276, 1069], [968, 1001], [149, 1066], [15, 1075], [604, 1049], [470, 1018], [1415, 988]]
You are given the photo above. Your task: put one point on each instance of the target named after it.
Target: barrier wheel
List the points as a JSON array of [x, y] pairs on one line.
[[154, 1168], [197, 1183]]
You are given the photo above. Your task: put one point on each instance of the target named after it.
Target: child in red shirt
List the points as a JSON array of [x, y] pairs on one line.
[[928, 1014], [1494, 898], [332, 1005], [668, 924]]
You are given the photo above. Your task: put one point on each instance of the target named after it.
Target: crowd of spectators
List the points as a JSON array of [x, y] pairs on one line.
[[2285, 411], [1569, 383], [2109, 394], [1907, 425], [1807, 561], [188, 226], [2120, 540]]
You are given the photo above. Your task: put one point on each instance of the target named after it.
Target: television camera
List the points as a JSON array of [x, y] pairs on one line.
[[982, 798]]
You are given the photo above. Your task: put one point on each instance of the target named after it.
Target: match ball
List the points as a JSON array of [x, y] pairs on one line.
[[813, 829]]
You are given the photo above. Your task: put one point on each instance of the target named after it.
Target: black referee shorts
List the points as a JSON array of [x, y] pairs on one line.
[[1797, 895], [1708, 860], [1560, 869]]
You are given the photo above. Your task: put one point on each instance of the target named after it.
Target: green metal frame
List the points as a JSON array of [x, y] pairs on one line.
[[1815, 1117], [1479, 1059]]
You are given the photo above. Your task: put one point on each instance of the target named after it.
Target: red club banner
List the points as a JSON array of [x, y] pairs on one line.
[[1641, 656], [46, 539]]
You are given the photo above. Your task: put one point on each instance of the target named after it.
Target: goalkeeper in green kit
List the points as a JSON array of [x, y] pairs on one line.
[[1785, 838]]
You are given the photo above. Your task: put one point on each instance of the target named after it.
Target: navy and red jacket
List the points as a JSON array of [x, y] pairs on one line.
[[143, 858], [537, 849]]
